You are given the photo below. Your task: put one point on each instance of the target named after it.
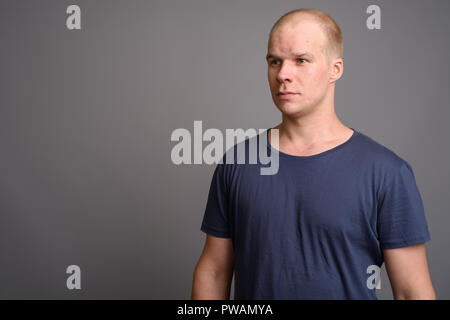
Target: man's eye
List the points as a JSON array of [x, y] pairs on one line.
[[299, 60], [274, 61]]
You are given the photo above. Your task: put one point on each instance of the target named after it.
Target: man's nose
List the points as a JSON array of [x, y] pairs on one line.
[[285, 73]]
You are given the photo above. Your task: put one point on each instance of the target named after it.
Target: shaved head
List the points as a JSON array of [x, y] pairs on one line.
[[334, 46]]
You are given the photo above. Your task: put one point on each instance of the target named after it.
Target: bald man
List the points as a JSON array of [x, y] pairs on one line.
[[339, 207]]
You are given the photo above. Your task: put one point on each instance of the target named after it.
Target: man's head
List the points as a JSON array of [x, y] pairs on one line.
[[304, 57]]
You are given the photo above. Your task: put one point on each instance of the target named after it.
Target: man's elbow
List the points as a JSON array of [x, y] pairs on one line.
[[211, 285], [416, 294]]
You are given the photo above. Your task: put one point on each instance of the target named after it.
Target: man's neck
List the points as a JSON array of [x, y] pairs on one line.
[[310, 135], [306, 132]]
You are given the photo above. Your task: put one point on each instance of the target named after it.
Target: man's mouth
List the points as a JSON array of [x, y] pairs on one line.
[[286, 94]]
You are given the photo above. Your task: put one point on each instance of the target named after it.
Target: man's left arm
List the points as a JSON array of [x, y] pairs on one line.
[[408, 273]]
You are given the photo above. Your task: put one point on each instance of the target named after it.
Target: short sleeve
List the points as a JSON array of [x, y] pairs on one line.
[[401, 216], [215, 219]]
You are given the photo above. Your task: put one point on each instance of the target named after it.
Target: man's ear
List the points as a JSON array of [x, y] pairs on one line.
[[336, 70]]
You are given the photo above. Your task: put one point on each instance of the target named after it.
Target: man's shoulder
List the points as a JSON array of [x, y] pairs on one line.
[[246, 151], [376, 153]]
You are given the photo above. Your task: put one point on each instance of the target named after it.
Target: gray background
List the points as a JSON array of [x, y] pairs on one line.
[[86, 116]]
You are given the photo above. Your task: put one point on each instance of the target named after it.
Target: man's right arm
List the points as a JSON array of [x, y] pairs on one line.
[[214, 271]]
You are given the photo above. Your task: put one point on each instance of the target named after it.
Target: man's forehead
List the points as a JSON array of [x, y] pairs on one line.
[[298, 35], [298, 41], [293, 46]]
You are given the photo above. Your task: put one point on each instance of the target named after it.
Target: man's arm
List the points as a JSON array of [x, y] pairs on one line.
[[408, 273], [214, 271]]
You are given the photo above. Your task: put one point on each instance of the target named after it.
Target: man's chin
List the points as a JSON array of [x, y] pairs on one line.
[[290, 110]]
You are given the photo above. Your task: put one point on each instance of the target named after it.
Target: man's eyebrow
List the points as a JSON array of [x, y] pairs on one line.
[[301, 54], [296, 54]]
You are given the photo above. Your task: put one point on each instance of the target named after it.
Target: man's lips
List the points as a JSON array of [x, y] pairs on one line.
[[286, 94]]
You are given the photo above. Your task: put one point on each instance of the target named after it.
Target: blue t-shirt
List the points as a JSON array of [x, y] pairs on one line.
[[312, 230]]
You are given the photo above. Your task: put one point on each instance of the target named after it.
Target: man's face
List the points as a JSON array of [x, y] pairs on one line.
[[297, 64]]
